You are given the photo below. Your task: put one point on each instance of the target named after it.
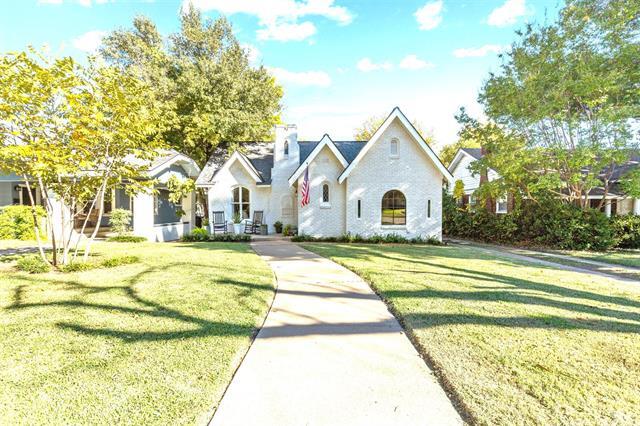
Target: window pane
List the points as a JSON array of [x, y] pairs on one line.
[[236, 195], [359, 208], [325, 193], [236, 209], [393, 208], [245, 195], [245, 210], [394, 147]]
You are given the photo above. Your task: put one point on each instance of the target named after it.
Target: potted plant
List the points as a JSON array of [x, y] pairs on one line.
[[287, 231], [278, 227], [237, 223]]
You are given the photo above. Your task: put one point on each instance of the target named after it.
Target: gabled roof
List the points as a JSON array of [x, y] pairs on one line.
[[169, 157], [474, 152], [324, 142], [397, 114], [257, 158]]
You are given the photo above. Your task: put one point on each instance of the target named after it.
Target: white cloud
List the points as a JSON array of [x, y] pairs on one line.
[[286, 32], [305, 78], [429, 16], [366, 65], [278, 19], [508, 13], [412, 62], [253, 54], [89, 41], [479, 51]]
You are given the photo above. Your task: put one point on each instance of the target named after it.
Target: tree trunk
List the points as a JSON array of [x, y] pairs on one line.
[[97, 227], [36, 224]]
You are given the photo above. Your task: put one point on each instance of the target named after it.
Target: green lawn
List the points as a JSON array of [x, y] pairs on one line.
[[149, 343], [515, 343], [618, 257]]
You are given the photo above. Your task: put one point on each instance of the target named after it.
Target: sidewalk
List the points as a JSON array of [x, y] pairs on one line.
[[330, 353]]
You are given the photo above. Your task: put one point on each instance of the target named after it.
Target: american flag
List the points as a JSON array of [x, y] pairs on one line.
[[305, 188]]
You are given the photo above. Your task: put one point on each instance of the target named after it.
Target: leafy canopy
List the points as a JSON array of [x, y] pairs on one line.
[[567, 99], [206, 89]]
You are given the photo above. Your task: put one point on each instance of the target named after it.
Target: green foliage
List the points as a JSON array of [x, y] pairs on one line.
[[198, 234], [458, 189], [201, 80], [179, 188], [278, 227], [551, 224], [73, 131], [126, 239], [627, 231], [112, 262], [566, 98], [236, 218], [374, 239], [448, 152], [32, 264], [201, 235], [120, 220], [288, 230], [16, 222]]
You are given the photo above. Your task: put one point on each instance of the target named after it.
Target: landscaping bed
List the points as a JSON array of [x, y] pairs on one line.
[[152, 342], [512, 342]]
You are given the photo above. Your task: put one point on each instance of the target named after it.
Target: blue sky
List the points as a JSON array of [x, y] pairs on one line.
[[339, 61]]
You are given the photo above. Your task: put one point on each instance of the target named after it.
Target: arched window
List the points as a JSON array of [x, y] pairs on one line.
[[240, 202], [325, 193], [393, 149], [286, 148], [394, 208]]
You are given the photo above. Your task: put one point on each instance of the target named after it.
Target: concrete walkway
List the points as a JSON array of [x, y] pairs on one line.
[[329, 353]]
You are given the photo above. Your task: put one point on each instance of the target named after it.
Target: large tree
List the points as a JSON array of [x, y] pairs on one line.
[[567, 98], [71, 132], [209, 93]]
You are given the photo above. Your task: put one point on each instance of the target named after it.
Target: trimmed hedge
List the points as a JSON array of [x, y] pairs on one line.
[[374, 239], [126, 239], [550, 224], [16, 222], [627, 231], [201, 235]]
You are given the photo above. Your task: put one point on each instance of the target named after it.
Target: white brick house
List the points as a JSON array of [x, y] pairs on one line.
[[389, 184]]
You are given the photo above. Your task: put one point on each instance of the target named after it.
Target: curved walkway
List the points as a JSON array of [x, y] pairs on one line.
[[329, 353]]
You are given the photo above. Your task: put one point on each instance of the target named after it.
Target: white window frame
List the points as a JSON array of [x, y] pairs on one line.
[[394, 143], [285, 149], [502, 200], [241, 201], [325, 204]]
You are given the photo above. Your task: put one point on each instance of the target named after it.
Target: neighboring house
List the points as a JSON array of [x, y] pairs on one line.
[[616, 201], [153, 215], [390, 184]]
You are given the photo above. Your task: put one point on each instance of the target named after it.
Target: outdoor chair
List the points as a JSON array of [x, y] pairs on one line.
[[219, 223], [253, 226]]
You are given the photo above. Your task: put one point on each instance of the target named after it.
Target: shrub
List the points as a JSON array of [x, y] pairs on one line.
[[33, 264], [126, 239], [626, 231], [287, 231], [374, 239], [550, 223], [120, 220], [16, 222], [201, 235], [198, 234], [278, 227], [230, 238]]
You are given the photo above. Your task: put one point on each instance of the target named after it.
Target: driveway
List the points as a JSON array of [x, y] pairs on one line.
[[329, 353]]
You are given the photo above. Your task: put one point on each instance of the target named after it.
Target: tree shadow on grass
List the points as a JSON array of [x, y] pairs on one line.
[[524, 292], [136, 304]]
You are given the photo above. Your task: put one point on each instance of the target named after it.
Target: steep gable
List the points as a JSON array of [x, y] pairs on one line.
[[397, 115]]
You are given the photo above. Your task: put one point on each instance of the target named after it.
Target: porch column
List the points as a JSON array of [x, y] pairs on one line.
[[636, 206], [607, 208]]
